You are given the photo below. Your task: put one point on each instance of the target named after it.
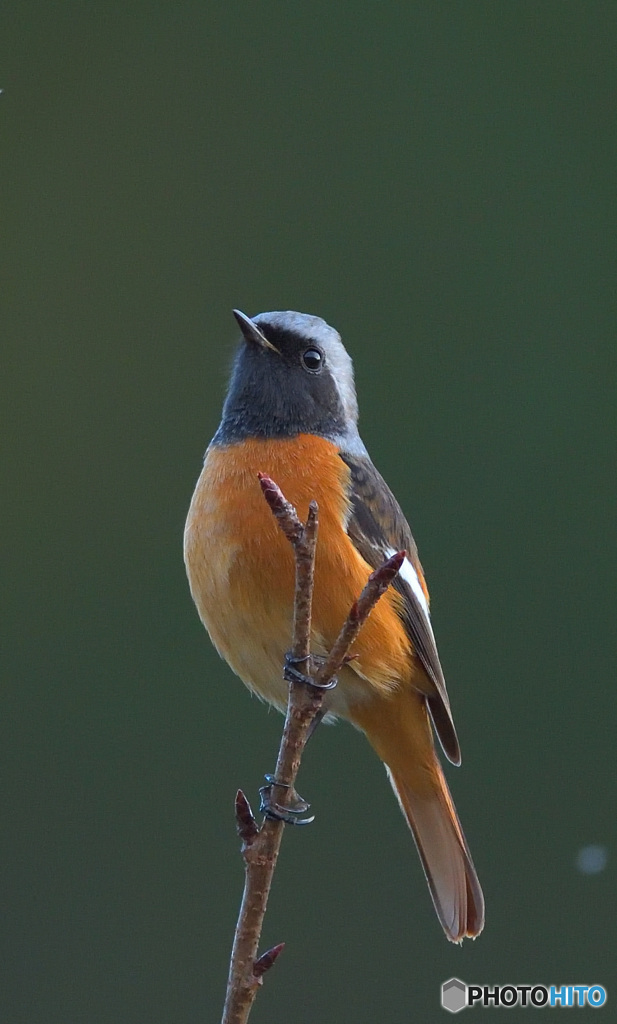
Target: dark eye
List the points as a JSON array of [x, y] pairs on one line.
[[313, 360]]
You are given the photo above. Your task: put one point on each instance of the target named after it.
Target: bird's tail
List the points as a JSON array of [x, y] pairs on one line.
[[399, 730]]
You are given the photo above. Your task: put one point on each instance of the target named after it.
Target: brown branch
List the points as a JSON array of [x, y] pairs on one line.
[[260, 846], [376, 585]]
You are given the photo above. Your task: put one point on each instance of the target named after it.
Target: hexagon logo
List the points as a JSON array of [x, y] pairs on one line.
[[454, 995]]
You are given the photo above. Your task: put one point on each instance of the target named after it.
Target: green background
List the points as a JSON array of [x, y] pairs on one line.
[[438, 181]]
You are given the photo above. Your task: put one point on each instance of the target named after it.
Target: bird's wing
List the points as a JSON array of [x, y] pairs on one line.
[[378, 528]]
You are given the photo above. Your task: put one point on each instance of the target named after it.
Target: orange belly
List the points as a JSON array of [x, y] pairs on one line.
[[241, 570]]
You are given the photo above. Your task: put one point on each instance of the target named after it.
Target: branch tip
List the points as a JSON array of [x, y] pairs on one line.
[[272, 492], [386, 572], [281, 509]]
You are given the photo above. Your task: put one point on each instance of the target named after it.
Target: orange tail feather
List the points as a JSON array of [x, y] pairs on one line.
[[400, 732]]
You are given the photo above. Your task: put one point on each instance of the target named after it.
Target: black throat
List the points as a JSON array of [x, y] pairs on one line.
[[270, 395]]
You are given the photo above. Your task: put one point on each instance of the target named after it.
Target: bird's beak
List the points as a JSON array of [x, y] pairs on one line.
[[251, 332]]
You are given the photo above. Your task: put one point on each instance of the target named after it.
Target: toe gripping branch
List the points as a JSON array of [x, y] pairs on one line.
[[291, 814], [293, 675]]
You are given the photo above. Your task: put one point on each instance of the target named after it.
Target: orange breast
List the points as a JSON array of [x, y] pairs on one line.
[[241, 569]]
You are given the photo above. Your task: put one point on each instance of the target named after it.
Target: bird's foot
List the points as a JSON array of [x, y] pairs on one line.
[[291, 814], [293, 674]]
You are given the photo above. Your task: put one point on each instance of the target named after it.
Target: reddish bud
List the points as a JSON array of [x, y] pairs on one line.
[[267, 960], [245, 820]]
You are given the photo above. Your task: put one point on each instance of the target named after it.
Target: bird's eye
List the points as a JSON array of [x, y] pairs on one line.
[[313, 360]]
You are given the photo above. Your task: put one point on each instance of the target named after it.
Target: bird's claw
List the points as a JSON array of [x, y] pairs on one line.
[[290, 815], [293, 675]]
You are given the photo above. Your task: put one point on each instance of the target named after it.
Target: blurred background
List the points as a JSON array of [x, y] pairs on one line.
[[438, 181]]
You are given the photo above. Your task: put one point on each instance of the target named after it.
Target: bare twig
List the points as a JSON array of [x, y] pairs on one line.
[[260, 846], [376, 585]]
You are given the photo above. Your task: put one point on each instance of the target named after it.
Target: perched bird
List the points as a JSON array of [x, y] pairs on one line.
[[291, 412]]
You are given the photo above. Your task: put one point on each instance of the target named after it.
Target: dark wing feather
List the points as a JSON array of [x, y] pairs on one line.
[[377, 524]]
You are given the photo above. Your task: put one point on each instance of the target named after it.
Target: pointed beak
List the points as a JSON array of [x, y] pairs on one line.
[[250, 331]]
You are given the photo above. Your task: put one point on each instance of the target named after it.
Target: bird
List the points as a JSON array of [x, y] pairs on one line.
[[291, 412]]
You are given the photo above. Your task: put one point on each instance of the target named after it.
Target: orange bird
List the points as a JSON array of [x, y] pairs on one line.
[[291, 412]]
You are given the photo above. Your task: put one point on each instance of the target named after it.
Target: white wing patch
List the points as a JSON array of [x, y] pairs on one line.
[[410, 576]]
